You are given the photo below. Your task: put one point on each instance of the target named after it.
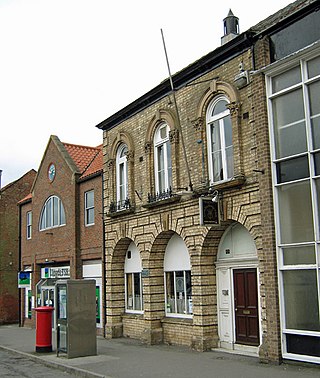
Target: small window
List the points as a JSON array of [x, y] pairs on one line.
[[29, 224], [89, 208], [220, 146], [52, 214], [122, 176]]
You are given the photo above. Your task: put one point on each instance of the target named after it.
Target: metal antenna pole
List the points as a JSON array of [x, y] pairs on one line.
[[177, 111]]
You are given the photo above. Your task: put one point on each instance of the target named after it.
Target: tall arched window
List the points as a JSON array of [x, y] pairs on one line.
[[52, 214], [162, 159], [177, 279], [122, 176], [133, 280], [220, 147]]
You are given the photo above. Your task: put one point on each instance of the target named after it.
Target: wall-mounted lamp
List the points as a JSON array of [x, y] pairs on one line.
[[215, 196], [242, 78]]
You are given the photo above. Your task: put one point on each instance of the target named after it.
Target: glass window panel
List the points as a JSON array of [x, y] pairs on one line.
[[123, 152], [318, 202], [90, 216], [293, 169], [227, 131], [295, 210], [314, 97], [220, 107], [288, 117], [229, 156], [137, 292], [299, 255], [315, 126], [169, 163], [286, 80], [49, 213], [189, 292], [90, 198], [171, 306], [163, 132], [314, 67], [129, 292], [62, 214], [301, 300], [215, 136], [217, 166], [317, 163], [55, 211], [180, 293]]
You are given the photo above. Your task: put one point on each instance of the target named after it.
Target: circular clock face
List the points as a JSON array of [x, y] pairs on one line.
[[51, 172]]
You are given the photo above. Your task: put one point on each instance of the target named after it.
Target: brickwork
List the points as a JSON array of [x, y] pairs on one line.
[[10, 195], [246, 200]]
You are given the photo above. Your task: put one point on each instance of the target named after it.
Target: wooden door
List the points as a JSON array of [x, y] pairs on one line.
[[246, 306]]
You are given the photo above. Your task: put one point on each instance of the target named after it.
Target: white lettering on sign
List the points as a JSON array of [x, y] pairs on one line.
[[63, 272]]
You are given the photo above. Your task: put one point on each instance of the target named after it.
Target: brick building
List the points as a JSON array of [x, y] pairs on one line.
[[9, 245], [61, 225], [191, 251]]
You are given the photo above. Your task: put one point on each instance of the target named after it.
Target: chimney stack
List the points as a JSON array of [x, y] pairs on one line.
[[231, 28]]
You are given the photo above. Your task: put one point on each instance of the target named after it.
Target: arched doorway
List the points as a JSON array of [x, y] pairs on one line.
[[237, 291]]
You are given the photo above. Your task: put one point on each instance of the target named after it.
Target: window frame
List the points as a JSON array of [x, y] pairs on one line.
[[29, 225], [210, 120], [48, 209], [122, 165], [163, 143], [88, 209], [303, 262]]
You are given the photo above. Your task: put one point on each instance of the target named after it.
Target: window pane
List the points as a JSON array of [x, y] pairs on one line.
[[215, 136], [171, 306], [169, 163], [217, 166], [180, 293], [49, 213], [123, 152], [62, 214], [161, 173], [229, 156], [227, 131], [90, 199], [301, 300], [163, 132], [137, 292], [299, 255], [293, 169], [90, 216], [220, 107], [314, 67], [315, 125], [189, 292], [55, 211], [288, 117], [286, 79], [296, 220], [317, 163], [318, 201], [129, 292]]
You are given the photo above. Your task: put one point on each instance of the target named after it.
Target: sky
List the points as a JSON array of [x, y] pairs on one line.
[[67, 65]]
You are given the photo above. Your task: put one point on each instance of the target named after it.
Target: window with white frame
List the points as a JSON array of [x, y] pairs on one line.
[[52, 214], [122, 175], [89, 207], [29, 224], [177, 279], [219, 136], [162, 159], [294, 114], [133, 280]]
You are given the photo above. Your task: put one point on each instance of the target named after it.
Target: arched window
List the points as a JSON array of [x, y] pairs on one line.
[[177, 279], [220, 147], [133, 281], [162, 159], [122, 176], [52, 214]]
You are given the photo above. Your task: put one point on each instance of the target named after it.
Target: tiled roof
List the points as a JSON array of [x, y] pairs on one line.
[[25, 199], [96, 164], [82, 156]]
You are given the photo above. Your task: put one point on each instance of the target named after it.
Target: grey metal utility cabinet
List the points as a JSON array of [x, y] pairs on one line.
[[76, 318]]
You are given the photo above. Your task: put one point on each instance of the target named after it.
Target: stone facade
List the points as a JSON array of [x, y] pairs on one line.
[[246, 199]]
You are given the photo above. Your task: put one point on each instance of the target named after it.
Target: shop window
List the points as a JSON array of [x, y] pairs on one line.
[[89, 208], [52, 214], [177, 279], [133, 280], [220, 145]]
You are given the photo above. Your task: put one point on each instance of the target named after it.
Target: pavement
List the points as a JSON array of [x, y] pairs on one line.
[[128, 358]]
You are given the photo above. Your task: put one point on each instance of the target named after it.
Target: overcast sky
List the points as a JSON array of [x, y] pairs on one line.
[[66, 65]]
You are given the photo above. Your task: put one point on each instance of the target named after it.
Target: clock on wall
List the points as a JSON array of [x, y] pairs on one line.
[[51, 172]]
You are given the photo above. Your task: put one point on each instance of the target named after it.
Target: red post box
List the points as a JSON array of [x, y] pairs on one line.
[[44, 329]]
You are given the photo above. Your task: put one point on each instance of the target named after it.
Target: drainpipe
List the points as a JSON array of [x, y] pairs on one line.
[[103, 258]]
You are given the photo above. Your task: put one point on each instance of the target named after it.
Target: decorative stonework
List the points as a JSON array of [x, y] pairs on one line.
[[174, 136], [198, 124], [110, 164], [130, 155], [147, 147], [234, 108]]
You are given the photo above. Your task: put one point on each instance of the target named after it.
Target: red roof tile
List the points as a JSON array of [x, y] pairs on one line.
[[96, 164], [82, 156]]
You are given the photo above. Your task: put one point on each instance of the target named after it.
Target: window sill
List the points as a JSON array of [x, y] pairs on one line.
[[233, 183], [165, 201], [119, 213], [176, 320], [133, 315]]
